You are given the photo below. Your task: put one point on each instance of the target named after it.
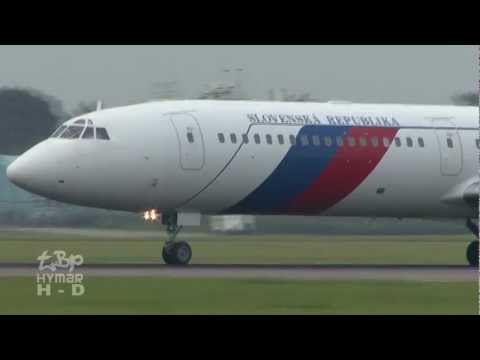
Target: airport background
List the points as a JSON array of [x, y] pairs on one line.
[[339, 265], [29, 115]]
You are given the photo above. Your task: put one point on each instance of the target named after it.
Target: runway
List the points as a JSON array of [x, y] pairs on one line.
[[305, 272]]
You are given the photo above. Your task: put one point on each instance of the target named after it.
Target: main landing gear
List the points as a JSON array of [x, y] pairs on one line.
[[175, 252], [472, 249]]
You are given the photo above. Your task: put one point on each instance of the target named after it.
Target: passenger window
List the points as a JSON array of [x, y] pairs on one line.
[[57, 132], [72, 132], [351, 141], [339, 141], [245, 138], [233, 138], [89, 133], [478, 143], [268, 137], [398, 142], [257, 138], [190, 137], [293, 140], [386, 142], [316, 140], [221, 137], [328, 141], [362, 141], [374, 141], [281, 140], [102, 134], [409, 142], [304, 140], [420, 142], [449, 143]]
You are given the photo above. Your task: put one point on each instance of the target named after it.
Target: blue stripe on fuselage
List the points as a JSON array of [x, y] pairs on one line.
[[298, 169]]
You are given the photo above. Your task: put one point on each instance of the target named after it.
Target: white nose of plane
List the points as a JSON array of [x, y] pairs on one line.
[[16, 172], [34, 171]]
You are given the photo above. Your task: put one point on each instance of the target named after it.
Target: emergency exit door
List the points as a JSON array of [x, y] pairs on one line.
[[190, 141], [450, 147]]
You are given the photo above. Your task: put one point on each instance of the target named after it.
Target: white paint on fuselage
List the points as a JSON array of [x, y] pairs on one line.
[[412, 181], [140, 167]]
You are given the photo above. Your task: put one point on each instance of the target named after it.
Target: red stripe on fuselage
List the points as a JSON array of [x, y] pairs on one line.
[[345, 171]]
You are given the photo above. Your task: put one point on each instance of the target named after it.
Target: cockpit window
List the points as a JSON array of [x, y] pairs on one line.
[[72, 132], [102, 134], [89, 133], [81, 129], [57, 132]]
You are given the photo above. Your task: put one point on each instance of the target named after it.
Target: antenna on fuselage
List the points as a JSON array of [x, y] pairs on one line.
[[99, 105]]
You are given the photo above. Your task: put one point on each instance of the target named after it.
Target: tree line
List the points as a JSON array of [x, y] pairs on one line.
[[28, 116]]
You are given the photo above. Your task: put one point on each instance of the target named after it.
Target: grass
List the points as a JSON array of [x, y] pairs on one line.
[[98, 247], [149, 295], [164, 295]]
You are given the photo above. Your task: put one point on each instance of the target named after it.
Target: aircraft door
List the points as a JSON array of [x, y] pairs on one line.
[[190, 141], [450, 146]]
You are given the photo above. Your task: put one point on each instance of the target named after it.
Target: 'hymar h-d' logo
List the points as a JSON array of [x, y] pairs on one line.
[[56, 271]]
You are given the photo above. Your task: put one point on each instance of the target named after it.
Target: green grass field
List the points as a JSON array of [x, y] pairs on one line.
[[241, 296], [96, 247], [163, 295]]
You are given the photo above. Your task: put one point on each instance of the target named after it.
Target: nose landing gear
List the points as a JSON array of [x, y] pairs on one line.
[[472, 249], [178, 253], [173, 252]]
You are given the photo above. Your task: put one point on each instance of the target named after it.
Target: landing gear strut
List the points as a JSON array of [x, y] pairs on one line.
[[175, 252], [472, 249]]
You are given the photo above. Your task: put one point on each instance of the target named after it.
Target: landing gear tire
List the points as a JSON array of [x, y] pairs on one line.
[[167, 255], [472, 253], [174, 252], [178, 253]]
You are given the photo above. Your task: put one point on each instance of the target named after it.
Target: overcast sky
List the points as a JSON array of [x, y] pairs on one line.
[[125, 74]]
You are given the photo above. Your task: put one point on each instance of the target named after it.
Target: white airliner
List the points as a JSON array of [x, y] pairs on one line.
[[181, 159]]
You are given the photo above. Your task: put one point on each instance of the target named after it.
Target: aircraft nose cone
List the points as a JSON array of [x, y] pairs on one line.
[[17, 172], [33, 171]]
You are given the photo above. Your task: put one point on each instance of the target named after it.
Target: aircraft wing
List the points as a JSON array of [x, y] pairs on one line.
[[470, 194], [466, 192]]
